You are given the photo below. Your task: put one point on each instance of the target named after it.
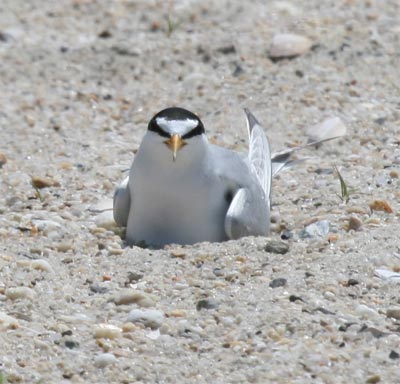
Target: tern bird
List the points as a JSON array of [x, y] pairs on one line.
[[182, 189]]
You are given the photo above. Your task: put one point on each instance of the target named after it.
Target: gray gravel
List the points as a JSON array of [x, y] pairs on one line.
[[79, 81]]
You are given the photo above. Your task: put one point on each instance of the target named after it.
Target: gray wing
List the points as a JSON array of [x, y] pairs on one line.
[[248, 215], [249, 210], [122, 203], [259, 153]]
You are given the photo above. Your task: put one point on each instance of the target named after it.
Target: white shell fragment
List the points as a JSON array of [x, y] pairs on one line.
[[289, 45], [387, 274], [104, 359], [107, 331], [327, 129]]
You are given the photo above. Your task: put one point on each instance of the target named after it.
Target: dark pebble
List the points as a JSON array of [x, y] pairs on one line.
[[394, 355], [206, 304], [278, 247], [229, 49], [294, 298], [324, 311], [71, 344], [352, 282], [133, 277], [279, 282], [299, 73], [66, 333], [98, 289], [286, 234], [105, 34]]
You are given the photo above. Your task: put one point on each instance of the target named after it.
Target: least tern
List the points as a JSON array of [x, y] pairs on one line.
[[182, 189]]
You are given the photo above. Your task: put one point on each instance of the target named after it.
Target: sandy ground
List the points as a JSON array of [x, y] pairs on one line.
[[79, 81]]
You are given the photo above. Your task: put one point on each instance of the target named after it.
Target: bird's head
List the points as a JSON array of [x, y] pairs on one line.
[[177, 127]]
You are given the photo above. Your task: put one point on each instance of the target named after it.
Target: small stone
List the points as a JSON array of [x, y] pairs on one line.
[[98, 289], [71, 344], [105, 34], [289, 46], [206, 304], [278, 247], [107, 331], [393, 173], [227, 50], [132, 296], [3, 159], [44, 182], [64, 247], [279, 282], [373, 379], [105, 220], [327, 129], [394, 355], [393, 313], [20, 293], [151, 318], [7, 322], [380, 205], [294, 298], [319, 229], [41, 265], [352, 282], [133, 277], [358, 210], [104, 359], [366, 312], [354, 223], [286, 234]]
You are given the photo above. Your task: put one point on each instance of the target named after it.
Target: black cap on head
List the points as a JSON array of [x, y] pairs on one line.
[[175, 115]]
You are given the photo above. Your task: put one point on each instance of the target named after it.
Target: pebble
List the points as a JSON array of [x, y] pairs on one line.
[[394, 355], [279, 282], [3, 159], [289, 46], [380, 205], [7, 322], [105, 220], [20, 293], [132, 296], [46, 226], [327, 129], [44, 182], [354, 223], [104, 359], [366, 312], [151, 318], [319, 229], [206, 304], [278, 247], [393, 313], [107, 331], [41, 265], [357, 210]]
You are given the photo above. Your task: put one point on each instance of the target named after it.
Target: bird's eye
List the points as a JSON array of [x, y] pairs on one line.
[[198, 130], [154, 127]]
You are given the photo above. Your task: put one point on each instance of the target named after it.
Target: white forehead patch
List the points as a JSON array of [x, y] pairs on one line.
[[180, 127]]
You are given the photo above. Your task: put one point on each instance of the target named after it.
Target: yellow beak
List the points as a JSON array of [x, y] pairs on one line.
[[175, 143]]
